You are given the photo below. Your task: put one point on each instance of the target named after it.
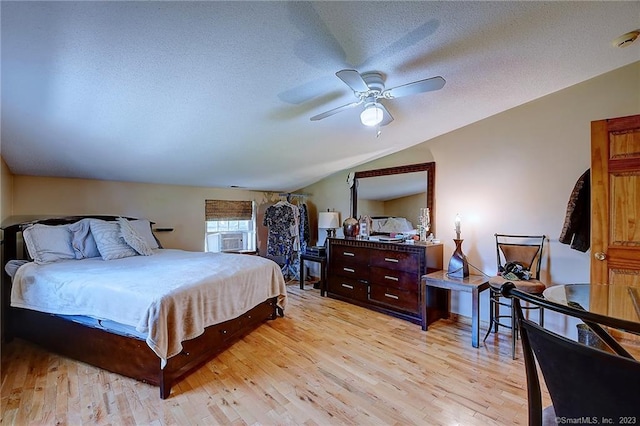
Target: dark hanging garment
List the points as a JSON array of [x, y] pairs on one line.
[[304, 227], [577, 222], [280, 219], [283, 240]]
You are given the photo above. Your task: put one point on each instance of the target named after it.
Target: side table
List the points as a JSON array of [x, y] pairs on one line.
[[322, 260], [474, 284]]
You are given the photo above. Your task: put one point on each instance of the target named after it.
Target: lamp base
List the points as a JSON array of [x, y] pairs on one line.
[[331, 233], [458, 265]]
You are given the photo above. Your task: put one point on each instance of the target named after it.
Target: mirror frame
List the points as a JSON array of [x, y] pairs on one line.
[[430, 168]]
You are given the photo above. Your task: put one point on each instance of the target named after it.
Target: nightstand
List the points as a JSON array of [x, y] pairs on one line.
[[322, 260]]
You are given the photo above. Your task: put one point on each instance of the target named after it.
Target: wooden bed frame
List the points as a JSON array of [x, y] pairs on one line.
[[128, 356]]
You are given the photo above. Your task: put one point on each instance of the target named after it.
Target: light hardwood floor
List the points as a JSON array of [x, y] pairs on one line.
[[326, 362]]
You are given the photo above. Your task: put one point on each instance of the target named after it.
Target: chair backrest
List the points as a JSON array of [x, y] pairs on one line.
[[583, 382], [523, 249]]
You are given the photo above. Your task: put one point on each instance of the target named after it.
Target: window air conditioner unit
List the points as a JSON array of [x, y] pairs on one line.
[[234, 241]]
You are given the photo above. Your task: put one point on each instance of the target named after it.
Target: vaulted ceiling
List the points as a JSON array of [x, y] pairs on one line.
[[220, 94]]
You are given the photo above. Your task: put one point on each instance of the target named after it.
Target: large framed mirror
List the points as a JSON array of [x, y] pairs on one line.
[[395, 191]]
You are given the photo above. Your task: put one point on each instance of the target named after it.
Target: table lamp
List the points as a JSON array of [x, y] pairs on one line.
[[458, 265], [329, 221]]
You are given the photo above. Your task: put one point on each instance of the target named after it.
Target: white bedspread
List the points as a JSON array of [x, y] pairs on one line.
[[172, 295]]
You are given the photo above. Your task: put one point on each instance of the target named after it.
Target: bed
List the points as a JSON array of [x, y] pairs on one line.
[[391, 225], [154, 314]]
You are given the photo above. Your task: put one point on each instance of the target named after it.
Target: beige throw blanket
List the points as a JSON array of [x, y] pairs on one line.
[[172, 295]]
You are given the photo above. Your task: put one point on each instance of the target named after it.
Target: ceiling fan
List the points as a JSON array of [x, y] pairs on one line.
[[369, 89]]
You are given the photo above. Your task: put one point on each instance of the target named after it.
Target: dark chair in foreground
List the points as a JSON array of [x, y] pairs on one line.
[[583, 382], [521, 255]]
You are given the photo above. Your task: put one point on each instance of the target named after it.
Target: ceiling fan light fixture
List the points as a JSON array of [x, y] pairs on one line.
[[372, 115], [626, 39]]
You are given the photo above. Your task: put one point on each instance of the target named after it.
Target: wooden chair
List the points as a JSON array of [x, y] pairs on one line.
[[583, 382], [525, 251]]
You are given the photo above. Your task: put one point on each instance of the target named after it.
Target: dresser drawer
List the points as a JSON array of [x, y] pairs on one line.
[[349, 268], [350, 288], [404, 300], [393, 278], [395, 260], [340, 253]]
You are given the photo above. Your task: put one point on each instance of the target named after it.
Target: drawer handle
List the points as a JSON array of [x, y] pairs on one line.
[[347, 253], [350, 287], [388, 277], [388, 259], [391, 296], [348, 269]]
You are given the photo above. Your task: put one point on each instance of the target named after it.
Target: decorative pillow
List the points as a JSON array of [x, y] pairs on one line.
[[143, 228], [83, 242], [12, 266], [110, 243], [132, 238], [48, 244]]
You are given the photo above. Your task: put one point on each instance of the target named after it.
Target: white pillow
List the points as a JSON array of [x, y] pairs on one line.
[[109, 240], [143, 228], [377, 224], [83, 242], [396, 224], [47, 244], [132, 238]]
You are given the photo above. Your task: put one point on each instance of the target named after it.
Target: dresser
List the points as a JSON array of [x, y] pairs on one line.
[[385, 277]]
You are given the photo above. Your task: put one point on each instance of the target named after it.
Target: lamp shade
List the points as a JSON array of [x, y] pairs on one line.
[[328, 220], [372, 115]]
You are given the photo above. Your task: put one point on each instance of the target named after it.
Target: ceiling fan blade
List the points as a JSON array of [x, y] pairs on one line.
[[420, 86], [335, 111], [387, 117], [353, 79]]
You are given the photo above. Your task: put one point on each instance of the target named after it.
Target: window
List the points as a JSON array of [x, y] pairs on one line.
[[230, 225]]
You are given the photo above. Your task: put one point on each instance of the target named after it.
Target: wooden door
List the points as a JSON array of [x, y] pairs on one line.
[[615, 212]]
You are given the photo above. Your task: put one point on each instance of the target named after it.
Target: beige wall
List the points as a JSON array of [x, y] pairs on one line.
[[371, 207], [400, 207], [512, 173], [6, 199], [407, 207], [178, 207], [6, 186]]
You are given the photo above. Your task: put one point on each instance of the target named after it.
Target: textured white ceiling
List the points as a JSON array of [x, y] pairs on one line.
[[220, 93]]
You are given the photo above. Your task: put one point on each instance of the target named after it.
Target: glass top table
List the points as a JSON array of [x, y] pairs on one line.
[[615, 301]]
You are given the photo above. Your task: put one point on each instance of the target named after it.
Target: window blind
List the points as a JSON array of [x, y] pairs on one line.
[[228, 210]]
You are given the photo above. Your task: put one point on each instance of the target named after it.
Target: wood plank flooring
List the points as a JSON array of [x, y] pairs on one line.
[[325, 363]]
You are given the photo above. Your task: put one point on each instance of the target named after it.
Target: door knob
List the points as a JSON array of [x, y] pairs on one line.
[[600, 255]]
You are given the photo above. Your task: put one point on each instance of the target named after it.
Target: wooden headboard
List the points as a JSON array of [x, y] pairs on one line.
[[11, 246]]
